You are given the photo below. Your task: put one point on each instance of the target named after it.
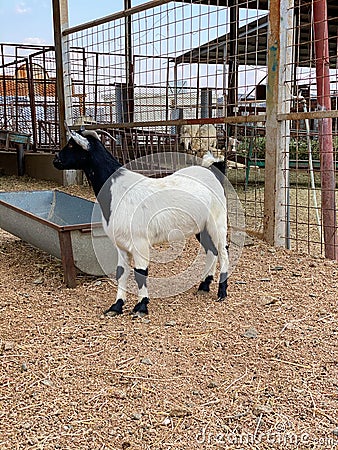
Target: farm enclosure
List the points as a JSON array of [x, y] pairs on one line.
[[144, 72], [236, 66]]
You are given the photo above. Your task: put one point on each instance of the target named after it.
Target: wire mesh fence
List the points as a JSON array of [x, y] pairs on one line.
[[146, 76], [311, 139], [28, 101], [155, 74]]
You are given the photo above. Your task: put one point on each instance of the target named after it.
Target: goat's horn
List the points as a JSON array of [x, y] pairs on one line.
[[89, 133], [73, 134], [107, 134]]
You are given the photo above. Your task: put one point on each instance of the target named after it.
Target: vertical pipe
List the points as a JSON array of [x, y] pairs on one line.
[[63, 87], [225, 52], [175, 86], [31, 92], [17, 92], [197, 89], [233, 64], [56, 109], [83, 97], [119, 102], [4, 85], [327, 171], [206, 103], [45, 106], [129, 64], [177, 112], [96, 85], [167, 92]]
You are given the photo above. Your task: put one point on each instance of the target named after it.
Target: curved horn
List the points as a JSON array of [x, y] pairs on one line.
[[107, 134], [80, 140], [90, 133]]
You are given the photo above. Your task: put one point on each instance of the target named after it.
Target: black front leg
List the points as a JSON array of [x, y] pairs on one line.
[[141, 308], [116, 309]]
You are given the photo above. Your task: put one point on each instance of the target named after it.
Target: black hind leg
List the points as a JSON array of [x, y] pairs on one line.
[[224, 265], [222, 287], [210, 262]]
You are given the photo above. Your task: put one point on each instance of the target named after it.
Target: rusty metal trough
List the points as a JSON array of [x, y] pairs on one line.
[[63, 225]]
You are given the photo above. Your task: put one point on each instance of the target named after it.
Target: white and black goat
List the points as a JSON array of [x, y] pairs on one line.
[[139, 211]]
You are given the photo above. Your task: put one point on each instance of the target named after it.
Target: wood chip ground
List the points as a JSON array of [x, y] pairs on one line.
[[259, 371]]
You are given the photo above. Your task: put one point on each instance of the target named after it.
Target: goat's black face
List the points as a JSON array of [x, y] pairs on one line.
[[72, 156]]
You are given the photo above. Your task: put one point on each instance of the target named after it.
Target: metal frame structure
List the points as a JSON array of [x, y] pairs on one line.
[[257, 70], [28, 102]]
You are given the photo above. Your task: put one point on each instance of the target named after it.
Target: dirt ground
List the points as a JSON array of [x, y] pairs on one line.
[[259, 371]]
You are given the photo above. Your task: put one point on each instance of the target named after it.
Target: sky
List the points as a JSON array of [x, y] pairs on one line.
[[31, 22]]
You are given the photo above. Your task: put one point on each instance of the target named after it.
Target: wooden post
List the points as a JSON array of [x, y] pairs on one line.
[[278, 98], [67, 258], [63, 80]]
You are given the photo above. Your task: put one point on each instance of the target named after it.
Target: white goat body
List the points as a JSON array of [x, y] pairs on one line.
[[187, 201]]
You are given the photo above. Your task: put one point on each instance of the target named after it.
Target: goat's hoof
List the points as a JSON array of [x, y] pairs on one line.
[[139, 315], [112, 313], [204, 286], [115, 309], [141, 309], [220, 299], [201, 292]]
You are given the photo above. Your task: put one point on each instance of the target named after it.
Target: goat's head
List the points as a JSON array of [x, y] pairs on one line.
[[75, 154]]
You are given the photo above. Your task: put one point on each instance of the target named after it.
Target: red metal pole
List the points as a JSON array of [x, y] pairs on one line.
[[328, 182]]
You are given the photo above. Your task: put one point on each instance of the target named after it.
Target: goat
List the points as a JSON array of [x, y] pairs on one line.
[[232, 145], [138, 212], [188, 132], [199, 139], [205, 140]]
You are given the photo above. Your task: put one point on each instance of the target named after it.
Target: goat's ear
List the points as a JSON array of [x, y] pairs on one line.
[[67, 130], [80, 140]]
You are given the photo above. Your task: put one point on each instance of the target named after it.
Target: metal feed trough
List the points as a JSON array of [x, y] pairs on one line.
[[63, 225]]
